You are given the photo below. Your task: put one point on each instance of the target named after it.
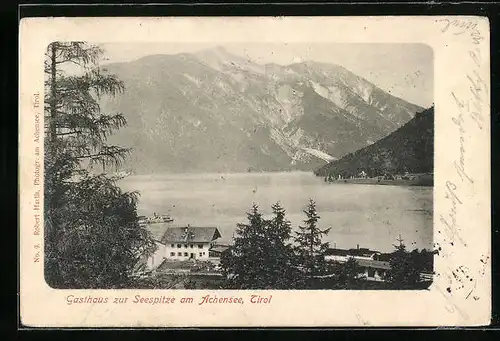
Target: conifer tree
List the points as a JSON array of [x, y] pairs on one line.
[[309, 248], [261, 257], [92, 237], [244, 266], [404, 273], [281, 260]]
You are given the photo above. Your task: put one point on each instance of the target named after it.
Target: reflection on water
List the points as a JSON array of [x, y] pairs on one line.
[[369, 215]]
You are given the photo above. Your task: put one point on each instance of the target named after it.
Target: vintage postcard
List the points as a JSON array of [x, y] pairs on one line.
[[255, 172]]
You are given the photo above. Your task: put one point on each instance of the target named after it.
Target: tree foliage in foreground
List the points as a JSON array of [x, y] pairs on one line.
[[405, 271], [266, 256], [309, 247], [261, 257], [92, 237]]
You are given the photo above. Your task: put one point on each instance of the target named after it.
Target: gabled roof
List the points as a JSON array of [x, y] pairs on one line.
[[384, 257], [165, 233], [362, 252], [351, 252], [337, 252], [375, 264]]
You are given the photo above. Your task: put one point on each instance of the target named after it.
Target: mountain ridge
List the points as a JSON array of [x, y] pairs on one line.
[[408, 149], [290, 117]]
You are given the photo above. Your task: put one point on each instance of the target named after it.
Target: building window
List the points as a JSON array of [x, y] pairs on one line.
[[172, 254], [201, 254], [185, 246], [178, 246], [179, 253], [185, 254], [191, 246], [200, 246], [172, 245]]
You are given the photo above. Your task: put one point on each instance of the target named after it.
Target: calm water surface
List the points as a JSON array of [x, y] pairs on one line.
[[369, 215]]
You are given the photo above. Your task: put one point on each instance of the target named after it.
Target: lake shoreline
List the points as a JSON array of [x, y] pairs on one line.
[[419, 182], [402, 183], [370, 215]]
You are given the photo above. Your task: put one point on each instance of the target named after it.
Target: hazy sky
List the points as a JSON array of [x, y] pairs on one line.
[[404, 70]]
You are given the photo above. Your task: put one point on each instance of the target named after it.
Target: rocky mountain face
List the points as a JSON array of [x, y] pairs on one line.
[[213, 111], [408, 149]]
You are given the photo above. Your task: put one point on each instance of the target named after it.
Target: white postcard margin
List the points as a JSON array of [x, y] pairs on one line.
[[461, 292]]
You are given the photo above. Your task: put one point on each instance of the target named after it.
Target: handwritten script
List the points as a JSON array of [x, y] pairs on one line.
[[470, 102], [462, 26], [469, 106]]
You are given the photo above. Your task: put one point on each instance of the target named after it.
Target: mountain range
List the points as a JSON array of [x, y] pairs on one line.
[[408, 149], [213, 111]]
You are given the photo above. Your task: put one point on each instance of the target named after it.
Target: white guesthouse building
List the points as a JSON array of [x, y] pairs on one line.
[[181, 243]]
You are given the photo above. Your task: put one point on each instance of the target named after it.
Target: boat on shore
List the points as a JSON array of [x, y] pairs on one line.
[[155, 219]]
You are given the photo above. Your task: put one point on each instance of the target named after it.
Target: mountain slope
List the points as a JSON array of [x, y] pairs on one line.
[[408, 149], [214, 111]]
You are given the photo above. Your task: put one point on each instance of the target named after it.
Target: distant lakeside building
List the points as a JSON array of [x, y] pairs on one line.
[[416, 179], [373, 265]]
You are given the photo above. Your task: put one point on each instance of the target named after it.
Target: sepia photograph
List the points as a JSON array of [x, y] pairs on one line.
[[245, 166], [254, 172]]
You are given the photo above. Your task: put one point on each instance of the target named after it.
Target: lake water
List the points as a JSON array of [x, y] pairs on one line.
[[369, 215]]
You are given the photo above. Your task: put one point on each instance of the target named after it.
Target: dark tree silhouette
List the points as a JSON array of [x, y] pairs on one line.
[[92, 237], [281, 260], [244, 264], [309, 248], [404, 273], [261, 257]]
